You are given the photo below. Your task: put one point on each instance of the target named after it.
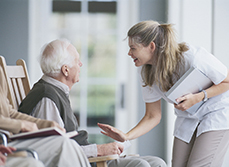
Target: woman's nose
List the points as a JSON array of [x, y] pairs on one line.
[[129, 53]]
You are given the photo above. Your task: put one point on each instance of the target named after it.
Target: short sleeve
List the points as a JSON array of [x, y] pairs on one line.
[[149, 94], [210, 66]]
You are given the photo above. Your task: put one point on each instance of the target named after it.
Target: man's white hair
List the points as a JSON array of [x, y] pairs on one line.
[[54, 55]]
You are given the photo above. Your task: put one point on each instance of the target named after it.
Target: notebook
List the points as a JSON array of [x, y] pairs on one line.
[[193, 81], [43, 133]]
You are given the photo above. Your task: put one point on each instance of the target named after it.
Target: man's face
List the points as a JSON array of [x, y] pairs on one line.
[[75, 69]]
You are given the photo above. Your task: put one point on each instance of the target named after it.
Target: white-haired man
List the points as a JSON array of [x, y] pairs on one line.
[[52, 151], [49, 99]]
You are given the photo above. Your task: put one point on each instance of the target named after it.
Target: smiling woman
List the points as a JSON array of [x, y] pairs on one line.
[[163, 61]]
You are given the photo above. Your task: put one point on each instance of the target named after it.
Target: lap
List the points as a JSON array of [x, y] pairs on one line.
[[55, 150], [142, 161], [23, 161]]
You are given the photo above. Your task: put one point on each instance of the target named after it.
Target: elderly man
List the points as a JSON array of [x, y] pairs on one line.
[[52, 151], [49, 99]]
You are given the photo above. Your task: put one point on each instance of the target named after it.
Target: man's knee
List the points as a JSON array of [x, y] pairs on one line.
[[24, 162], [128, 162], [155, 161], [141, 163], [31, 162]]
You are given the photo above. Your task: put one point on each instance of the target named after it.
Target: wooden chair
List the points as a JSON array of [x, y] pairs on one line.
[[19, 86], [18, 81]]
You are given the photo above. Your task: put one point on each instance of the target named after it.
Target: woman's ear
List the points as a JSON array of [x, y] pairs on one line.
[[65, 70], [152, 46]]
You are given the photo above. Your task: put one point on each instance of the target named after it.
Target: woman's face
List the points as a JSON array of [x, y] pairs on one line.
[[140, 54]]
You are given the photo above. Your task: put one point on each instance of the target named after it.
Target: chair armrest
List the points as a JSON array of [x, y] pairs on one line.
[[19, 151], [103, 158], [29, 150], [3, 138]]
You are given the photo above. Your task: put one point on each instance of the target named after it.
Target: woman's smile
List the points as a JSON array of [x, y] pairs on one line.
[[135, 59]]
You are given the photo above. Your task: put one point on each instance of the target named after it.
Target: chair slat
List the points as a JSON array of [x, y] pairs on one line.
[[16, 91], [21, 89]]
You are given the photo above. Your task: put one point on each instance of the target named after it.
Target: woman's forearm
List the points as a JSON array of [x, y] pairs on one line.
[[144, 126], [215, 90], [149, 121]]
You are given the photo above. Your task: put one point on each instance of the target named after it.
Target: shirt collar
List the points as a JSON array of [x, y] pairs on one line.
[[56, 83]]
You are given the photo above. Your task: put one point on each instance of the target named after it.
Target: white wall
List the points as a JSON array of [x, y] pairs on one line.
[[152, 143], [220, 39], [14, 30], [39, 34]]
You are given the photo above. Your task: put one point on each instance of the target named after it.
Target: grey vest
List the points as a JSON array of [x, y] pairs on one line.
[[43, 89]]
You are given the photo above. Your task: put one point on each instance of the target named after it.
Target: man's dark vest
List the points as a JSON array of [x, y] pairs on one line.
[[43, 89]]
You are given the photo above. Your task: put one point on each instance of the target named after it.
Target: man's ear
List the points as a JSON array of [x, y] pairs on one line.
[[65, 70]]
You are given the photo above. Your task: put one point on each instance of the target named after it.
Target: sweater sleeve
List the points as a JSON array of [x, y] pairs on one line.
[[11, 119], [11, 125], [40, 122]]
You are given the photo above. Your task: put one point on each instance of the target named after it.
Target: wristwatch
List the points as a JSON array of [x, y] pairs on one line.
[[205, 96]]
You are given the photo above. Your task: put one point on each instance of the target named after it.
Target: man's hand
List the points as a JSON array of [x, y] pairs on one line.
[[27, 126], [54, 124], [109, 149]]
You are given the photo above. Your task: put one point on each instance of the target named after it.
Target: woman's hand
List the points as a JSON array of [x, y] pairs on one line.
[[113, 132], [5, 150], [2, 159], [187, 101]]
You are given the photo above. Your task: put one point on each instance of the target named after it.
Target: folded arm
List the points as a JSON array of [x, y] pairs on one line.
[[189, 100]]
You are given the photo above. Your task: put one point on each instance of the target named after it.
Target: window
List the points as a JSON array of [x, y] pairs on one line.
[[91, 26]]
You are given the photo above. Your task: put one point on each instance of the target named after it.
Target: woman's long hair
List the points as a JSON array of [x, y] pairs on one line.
[[168, 56]]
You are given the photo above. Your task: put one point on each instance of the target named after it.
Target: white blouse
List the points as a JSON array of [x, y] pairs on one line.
[[214, 113]]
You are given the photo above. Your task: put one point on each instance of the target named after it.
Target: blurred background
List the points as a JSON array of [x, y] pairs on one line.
[[109, 90]]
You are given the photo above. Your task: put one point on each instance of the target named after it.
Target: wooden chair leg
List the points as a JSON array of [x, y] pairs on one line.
[[101, 161], [101, 164]]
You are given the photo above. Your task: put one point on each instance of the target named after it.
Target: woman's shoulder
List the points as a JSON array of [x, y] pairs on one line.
[[192, 50], [195, 53]]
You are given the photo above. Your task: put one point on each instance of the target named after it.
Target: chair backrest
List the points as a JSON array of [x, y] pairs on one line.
[[17, 81]]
